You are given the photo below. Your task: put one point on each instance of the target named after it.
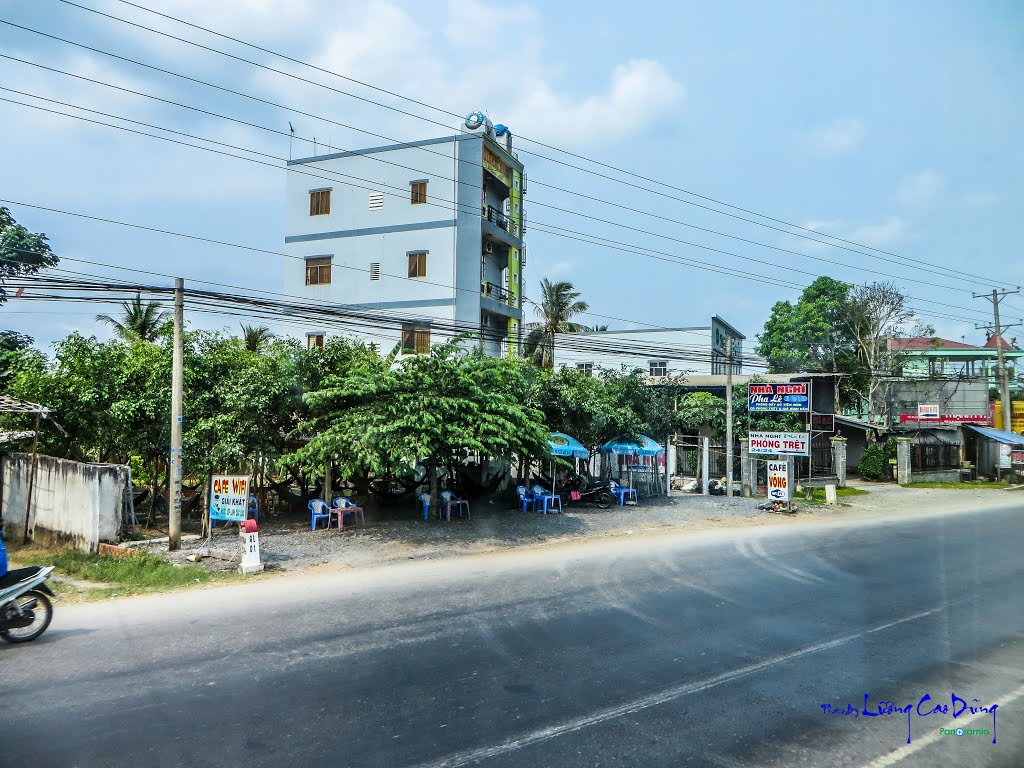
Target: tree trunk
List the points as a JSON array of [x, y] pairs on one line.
[[435, 499], [154, 492]]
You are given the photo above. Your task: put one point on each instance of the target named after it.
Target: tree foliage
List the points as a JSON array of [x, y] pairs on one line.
[[22, 252], [374, 417]]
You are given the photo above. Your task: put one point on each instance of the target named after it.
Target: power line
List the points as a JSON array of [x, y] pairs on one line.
[[561, 232], [453, 114]]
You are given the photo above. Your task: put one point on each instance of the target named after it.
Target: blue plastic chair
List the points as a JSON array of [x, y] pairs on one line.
[[621, 492], [449, 500], [319, 511], [525, 497], [254, 509], [425, 501], [348, 508], [545, 500]]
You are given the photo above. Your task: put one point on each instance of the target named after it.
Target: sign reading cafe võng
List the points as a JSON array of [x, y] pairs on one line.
[[793, 398]]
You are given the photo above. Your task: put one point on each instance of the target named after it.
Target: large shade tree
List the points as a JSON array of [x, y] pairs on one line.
[[560, 303], [375, 417]]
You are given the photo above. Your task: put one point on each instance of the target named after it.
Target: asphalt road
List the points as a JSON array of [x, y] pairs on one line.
[[707, 650]]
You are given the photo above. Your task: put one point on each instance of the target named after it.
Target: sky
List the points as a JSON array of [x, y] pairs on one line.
[[895, 126]]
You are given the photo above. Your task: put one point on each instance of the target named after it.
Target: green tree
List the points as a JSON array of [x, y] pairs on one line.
[[434, 408], [559, 305], [22, 253], [138, 320]]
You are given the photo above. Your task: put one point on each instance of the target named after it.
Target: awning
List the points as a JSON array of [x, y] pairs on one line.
[[563, 445], [644, 446], [1000, 436]]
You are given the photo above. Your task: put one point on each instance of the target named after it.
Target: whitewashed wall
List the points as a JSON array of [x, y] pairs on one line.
[[73, 504]]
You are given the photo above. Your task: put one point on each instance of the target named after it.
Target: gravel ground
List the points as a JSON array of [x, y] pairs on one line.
[[393, 535]]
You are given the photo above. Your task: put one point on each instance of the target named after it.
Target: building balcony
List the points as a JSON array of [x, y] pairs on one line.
[[498, 301], [499, 227]]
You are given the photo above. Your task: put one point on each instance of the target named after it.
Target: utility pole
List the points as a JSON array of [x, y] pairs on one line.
[[1004, 381], [728, 414], [177, 386]]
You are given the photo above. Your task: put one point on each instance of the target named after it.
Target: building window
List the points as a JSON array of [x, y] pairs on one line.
[[418, 264], [376, 201], [415, 339], [314, 341], [587, 369], [375, 270], [937, 367], [418, 192], [318, 270], [319, 202], [659, 367]]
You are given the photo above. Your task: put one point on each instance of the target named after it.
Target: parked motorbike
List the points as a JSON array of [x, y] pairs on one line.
[[25, 608], [577, 489]]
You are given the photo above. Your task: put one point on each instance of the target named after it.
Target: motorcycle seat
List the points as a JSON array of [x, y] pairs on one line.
[[11, 578]]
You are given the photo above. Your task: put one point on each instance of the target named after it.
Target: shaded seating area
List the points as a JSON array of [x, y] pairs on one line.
[[449, 500], [640, 462]]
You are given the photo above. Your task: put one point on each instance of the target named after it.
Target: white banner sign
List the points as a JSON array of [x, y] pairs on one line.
[[927, 412], [778, 480], [783, 443]]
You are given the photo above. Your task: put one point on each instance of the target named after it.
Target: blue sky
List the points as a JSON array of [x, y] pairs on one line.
[[895, 125]]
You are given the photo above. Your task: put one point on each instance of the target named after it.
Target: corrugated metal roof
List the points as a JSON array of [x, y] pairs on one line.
[[1000, 436]]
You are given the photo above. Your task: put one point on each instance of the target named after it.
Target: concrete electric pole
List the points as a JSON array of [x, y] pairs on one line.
[[728, 415], [177, 386], [1004, 380]]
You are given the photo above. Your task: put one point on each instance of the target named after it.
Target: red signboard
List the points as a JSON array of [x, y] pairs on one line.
[[948, 418]]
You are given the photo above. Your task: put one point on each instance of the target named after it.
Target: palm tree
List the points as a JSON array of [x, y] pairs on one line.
[[255, 336], [559, 304], [598, 328], [138, 320]]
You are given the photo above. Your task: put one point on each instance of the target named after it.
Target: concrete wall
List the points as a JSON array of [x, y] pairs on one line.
[[73, 504], [936, 476]]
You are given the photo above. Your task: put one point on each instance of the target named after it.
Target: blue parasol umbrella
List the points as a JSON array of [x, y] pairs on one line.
[[643, 446], [563, 445]]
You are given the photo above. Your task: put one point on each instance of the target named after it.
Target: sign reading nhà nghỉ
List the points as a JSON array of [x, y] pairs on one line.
[[778, 397], [229, 497], [778, 480], [782, 443], [928, 412]]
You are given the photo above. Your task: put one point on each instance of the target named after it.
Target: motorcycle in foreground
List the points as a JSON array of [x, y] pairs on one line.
[[25, 607]]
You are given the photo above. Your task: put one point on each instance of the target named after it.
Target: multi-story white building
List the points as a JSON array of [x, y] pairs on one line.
[[426, 237], [658, 352]]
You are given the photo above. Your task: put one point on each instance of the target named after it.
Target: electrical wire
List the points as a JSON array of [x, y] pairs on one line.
[[561, 232], [690, 193]]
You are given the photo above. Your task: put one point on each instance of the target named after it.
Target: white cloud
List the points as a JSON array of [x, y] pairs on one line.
[[466, 19], [921, 189], [885, 233], [640, 92], [836, 138]]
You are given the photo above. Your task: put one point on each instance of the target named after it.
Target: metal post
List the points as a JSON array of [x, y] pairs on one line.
[[728, 415], [706, 464], [31, 479], [670, 455], [1004, 384], [177, 387]]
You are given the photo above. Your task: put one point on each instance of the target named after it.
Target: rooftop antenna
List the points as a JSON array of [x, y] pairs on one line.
[[290, 138], [314, 146]]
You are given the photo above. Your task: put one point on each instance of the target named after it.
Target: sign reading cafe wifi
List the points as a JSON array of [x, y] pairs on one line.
[[786, 398]]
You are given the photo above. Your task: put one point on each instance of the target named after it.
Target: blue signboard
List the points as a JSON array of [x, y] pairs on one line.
[[791, 398]]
